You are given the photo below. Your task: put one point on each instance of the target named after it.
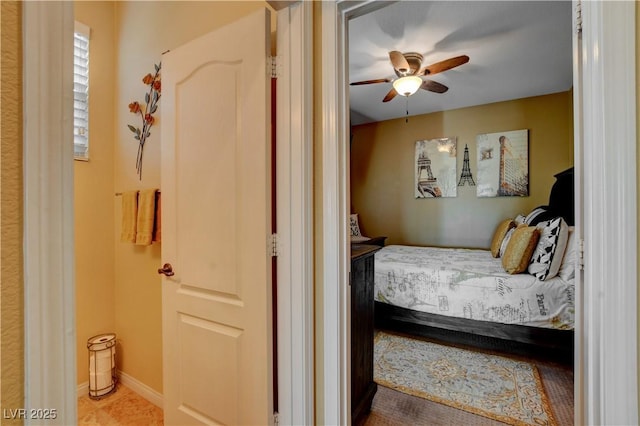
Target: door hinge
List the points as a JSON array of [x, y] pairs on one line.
[[578, 17], [581, 254], [276, 418], [274, 245], [274, 67]]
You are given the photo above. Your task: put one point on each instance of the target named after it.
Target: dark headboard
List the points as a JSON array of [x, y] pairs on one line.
[[561, 199]]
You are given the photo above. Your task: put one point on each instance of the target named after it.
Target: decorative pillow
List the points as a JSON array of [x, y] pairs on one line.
[[505, 242], [547, 257], [539, 214], [499, 234], [520, 248], [355, 226], [568, 265]]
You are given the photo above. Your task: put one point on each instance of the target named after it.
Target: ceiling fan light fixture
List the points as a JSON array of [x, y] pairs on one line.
[[408, 85]]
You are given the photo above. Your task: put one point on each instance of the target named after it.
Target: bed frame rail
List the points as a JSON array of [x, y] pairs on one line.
[[541, 343]]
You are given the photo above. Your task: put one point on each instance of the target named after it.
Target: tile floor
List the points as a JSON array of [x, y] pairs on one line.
[[123, 407]]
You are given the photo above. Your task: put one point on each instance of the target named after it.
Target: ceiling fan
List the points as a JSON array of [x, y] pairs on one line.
[[408, 67]]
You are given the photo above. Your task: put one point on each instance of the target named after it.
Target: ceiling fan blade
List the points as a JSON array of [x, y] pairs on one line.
[[399, 62], [392, 94], [433, 86], [379, 80], [444, 65]]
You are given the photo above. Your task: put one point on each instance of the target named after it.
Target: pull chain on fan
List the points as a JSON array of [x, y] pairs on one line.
[[406, 120]]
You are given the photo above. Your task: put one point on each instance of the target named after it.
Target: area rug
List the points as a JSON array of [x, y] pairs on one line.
[[492, 386]]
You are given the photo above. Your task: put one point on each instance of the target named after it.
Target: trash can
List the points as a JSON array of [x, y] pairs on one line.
[[102, 365]]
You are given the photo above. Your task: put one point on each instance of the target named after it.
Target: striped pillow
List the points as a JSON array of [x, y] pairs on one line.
[[539, 214]]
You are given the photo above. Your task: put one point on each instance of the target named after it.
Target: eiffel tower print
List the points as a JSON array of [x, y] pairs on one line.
[[427, 184], [465, 176]]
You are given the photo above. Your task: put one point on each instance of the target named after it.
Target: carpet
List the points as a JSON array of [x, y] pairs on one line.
[[492, 386]]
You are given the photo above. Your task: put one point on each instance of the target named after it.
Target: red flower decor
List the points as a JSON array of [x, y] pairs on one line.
[[151, 99]]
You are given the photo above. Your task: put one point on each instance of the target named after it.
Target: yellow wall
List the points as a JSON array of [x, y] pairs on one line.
[[11, 221], [143, 31], [382, 171], [93, 180]]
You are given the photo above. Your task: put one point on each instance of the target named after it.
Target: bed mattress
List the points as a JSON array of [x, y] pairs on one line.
[[471, 284]]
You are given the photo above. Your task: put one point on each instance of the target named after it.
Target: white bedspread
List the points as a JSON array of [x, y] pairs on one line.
[[471, 284]]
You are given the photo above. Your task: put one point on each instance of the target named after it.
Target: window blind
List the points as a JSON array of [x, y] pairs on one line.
[[81, 91]]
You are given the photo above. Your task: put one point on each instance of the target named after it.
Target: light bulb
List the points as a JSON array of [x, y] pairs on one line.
[[407, 86]]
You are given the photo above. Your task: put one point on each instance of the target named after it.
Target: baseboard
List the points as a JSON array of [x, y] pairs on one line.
[[140, 388], [83, 389], [132, 383]]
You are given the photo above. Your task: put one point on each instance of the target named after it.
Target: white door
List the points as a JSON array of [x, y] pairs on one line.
[[216, 199]]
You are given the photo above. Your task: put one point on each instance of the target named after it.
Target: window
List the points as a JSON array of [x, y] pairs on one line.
[[81, 92]]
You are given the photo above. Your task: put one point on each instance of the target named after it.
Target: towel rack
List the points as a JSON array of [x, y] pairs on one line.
[[118, 194]]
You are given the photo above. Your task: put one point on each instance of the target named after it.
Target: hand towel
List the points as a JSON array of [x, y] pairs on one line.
[[146, 216], [129, 216], [157, 226]]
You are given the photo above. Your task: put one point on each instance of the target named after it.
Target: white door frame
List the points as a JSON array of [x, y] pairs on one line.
[[50, 340], [49, 286], [294, 159], [609, 297], [609, 338]]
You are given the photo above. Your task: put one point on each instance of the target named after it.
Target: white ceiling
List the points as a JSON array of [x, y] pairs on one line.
[[517, 49]]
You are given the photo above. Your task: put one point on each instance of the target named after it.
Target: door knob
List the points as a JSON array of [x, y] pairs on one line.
[[166, 269]]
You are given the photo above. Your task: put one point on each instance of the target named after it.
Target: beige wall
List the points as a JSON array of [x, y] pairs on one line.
[[93, 180], [382, 171], [143, 31], [11, 212]]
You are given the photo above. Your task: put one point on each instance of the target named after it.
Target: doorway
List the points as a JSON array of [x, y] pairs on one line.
[[383, 140], [595, 400], [49, 180]]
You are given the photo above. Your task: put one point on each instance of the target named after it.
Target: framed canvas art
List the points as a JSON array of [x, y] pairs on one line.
[[435, 168], [503, 164]]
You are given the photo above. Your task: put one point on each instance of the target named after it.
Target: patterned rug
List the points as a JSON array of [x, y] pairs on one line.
[[488, 385]]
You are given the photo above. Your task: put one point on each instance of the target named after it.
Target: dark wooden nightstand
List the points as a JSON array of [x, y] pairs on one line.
[[363, 388], [375, 241]]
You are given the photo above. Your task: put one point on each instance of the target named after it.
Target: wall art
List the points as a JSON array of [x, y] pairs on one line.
[[435, 168], [466, 176], [503, 164], [144, 112]]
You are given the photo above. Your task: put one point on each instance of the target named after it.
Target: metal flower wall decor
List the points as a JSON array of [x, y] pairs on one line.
[[146, 111]]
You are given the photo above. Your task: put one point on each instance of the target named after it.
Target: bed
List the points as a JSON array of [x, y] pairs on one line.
[[466, 295]]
